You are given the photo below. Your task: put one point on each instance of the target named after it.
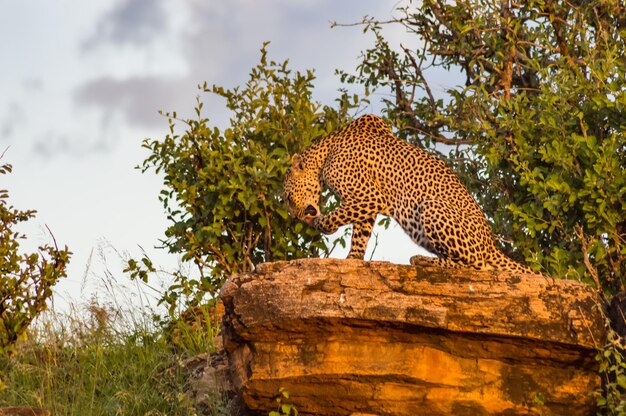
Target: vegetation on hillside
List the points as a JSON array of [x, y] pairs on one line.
[[536, 129], [102, 360]]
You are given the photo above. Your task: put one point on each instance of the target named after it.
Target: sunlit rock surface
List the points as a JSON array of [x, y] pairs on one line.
[[350, 337]]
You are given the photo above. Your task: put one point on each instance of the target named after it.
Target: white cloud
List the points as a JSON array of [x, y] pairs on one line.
[[136, 99], [135, 22], [217, 42]]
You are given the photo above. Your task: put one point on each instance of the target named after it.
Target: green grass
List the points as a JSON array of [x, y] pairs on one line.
[[102, 362]]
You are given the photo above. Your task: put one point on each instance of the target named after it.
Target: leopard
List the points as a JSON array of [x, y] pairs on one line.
[[371, 171]]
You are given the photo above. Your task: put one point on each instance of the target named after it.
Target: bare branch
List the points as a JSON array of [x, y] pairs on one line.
[[367, 21], [221, 259], [578, 229], [441, 139], [419, 74]]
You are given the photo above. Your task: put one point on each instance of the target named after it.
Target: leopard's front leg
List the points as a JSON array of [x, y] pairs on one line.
[[361, 216], [361, 233]]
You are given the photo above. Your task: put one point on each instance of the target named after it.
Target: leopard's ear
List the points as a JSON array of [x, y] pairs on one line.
[[296, 163]]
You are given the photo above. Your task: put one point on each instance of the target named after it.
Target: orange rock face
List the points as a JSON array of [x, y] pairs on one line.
[[350, 337]]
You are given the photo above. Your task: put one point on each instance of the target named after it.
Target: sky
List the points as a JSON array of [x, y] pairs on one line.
[[81, 85]]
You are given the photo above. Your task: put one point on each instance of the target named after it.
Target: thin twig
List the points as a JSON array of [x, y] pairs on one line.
[[578, 229], [367, 21], [420, 75], [439, 138], [5, 150], [582, 316], [56, 247]]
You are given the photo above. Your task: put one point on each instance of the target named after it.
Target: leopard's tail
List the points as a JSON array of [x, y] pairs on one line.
[[494, 261], [499, 261]]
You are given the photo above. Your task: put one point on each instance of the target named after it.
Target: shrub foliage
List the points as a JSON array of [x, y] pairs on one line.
[[537, 126], [26, 279], [222, 188]]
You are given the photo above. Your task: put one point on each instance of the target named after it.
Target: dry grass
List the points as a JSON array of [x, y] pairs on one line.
[[106, 359]]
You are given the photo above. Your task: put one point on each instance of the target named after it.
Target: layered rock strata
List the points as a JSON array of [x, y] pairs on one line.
[[352, 337]]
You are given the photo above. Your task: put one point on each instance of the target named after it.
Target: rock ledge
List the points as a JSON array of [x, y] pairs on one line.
[[346, 337]]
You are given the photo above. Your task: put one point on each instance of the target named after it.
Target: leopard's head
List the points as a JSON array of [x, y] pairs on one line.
[[302, 190]]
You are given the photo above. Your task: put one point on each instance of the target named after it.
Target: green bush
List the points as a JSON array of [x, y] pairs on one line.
[[223, 188], [26, 279], [284, 409], [537, 130], [613, 372]]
